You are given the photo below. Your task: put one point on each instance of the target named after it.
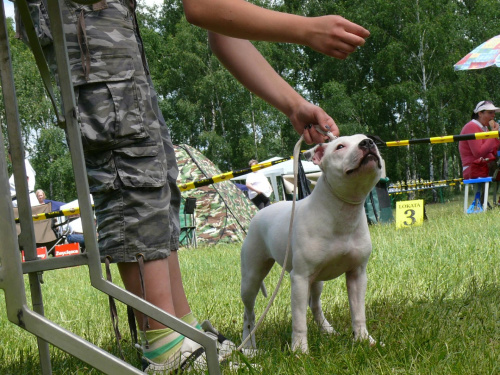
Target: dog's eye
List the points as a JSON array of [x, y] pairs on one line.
[[339, 147]]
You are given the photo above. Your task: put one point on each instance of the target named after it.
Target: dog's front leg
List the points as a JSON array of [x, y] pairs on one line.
[[300, 296], [317, 310], [356, 289]]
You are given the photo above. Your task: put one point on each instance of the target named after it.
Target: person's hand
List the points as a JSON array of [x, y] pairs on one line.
[[305, 116], [335, 36], [493, 125]]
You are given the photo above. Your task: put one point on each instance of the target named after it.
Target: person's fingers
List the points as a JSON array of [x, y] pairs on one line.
[[356, 29], [337, 37], [326, 123], [307, 136]]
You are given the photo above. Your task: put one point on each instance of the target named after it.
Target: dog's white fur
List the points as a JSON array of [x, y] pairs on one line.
[[330, 237]]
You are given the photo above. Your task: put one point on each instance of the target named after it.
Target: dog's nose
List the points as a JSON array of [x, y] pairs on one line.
[[366, 143]]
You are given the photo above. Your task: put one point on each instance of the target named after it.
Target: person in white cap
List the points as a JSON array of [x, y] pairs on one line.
[[479, 155]]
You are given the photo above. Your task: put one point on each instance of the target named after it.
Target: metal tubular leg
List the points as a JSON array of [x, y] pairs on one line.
[[486, 191], [466, 198], [17, 150]]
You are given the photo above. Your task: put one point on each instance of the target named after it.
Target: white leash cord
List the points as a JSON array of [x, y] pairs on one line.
[[296, 155]]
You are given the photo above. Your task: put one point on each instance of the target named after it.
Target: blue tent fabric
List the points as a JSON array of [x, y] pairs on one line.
[[241, 187], [56, 206]]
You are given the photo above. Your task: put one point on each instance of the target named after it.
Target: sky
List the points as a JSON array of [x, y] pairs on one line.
[[9, 8]]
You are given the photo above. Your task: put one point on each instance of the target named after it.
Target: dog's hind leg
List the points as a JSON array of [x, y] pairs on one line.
[[316, 309], [252, 276]]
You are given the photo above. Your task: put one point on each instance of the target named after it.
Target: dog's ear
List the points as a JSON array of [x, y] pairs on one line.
[[315, 154]]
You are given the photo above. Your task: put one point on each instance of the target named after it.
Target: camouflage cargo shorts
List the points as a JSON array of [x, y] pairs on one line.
[[130, 159]]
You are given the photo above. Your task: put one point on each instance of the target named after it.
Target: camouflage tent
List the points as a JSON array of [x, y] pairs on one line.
[[223, 212]]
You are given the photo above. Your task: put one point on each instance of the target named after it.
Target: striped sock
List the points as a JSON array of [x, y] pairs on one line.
[[191, 320], [163, 344]]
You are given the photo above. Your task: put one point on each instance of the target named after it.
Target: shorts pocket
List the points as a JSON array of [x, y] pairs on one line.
[[109, 114], [101, 171], [140, 165]]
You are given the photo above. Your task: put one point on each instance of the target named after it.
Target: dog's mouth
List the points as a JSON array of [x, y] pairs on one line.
[[368, 157]]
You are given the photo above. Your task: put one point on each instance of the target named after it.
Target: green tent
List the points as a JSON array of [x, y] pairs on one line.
[[378, 204], [222, 212]]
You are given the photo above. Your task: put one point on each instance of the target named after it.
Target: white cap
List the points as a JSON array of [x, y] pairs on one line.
[[486, 105]]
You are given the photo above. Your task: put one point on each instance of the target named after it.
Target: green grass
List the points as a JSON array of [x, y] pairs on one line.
[[433, 299]]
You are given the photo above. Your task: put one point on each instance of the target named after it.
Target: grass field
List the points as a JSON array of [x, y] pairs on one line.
[[433, 299]]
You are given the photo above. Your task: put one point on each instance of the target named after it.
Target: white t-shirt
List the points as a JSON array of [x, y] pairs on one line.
[[260, 182], [30, 173], [33, 201], [75, 226]]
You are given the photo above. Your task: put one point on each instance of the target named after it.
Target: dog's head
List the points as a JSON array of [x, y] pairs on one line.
[[351, 166]]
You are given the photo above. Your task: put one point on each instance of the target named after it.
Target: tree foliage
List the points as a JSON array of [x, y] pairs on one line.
[[44, 143], [400, 85]]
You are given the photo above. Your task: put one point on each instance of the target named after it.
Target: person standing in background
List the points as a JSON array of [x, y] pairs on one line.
[[259, 188], [478, 156], [40, 196], [30, 174]]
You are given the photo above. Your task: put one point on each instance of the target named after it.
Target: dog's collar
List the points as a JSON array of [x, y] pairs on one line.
[[338, 196]]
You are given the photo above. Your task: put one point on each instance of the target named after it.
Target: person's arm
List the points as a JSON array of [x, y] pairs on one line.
[[240, 21], [481, 148], [331, 35], [250, 186], [249, 67]]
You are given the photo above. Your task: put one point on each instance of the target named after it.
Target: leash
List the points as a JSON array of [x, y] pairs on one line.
[[296, 155]]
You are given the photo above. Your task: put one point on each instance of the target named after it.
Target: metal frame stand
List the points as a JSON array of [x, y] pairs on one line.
[[481, 180], [11, 268]]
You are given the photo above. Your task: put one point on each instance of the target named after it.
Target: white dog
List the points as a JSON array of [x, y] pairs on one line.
[[330, 237]]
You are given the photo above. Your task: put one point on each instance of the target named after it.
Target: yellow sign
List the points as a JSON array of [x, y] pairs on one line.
[[409, 213]]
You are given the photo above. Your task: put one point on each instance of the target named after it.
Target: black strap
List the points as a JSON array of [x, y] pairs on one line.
[[189, 360], [112, 310], [133, 328], [81, 34]]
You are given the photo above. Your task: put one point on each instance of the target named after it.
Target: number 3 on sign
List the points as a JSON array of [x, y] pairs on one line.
[[409, 213]]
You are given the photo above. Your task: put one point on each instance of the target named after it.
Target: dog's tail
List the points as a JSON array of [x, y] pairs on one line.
[[263, 289]]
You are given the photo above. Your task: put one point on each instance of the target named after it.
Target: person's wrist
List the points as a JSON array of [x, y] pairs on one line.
[[303, 32]]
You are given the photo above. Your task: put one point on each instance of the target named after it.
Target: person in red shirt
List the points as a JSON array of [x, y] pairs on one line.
[[478, 155]]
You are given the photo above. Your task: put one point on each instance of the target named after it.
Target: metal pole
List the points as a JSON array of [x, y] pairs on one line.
[[27, 236]]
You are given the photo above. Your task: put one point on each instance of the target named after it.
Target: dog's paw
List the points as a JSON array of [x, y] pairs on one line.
[[368, 339], [329, 330], [299, 344]]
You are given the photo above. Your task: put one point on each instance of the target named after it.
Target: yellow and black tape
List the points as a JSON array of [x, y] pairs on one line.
[[445, 139], [409, 186], [239, 172], [54, 214], [229, 175], [183, 187]]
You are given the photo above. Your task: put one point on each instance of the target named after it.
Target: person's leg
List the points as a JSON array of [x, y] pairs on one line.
[[258, 201], [163, 285], [266, 200], [76, 237], [162, 346], [179, 297], [156, 283]]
